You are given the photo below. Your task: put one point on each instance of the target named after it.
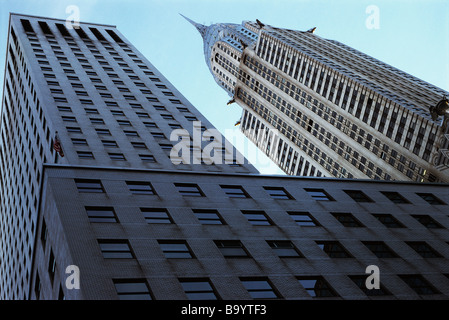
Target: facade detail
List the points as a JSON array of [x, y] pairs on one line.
[[320, 108], [98, 203]]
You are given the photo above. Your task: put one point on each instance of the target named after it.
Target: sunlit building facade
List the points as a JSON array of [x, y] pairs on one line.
[[317, 107]]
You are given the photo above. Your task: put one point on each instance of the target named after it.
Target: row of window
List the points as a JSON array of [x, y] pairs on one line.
[[263, 288], [179, 249], [235, 191]]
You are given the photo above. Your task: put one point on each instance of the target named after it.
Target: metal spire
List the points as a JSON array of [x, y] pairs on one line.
[[201, 28]]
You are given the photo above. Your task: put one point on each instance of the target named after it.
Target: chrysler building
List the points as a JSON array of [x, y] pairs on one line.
[[318, 107]]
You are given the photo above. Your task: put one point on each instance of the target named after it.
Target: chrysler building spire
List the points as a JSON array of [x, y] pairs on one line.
[[200, 27]]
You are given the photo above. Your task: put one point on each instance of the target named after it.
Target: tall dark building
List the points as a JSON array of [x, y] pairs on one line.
[[318, 107], [115, 187]]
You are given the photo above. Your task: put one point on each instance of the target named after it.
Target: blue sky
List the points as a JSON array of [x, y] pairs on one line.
[[412, 35]]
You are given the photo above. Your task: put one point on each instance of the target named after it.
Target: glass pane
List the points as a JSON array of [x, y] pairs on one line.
[[196, 286]]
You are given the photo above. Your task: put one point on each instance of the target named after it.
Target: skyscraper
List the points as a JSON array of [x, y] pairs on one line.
[[96, 99], [320, 108], [115, 187]]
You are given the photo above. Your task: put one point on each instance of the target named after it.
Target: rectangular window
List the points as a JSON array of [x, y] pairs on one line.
[[423, 249], [105, 132], [80, 142], [380, 249], [115, 249], [132, 289], [395, 197], [231, 248], [156, 215], [257, 217], [303, 219], [101, 214], [90, 186], [235, 191], [284, 249], [388, 220], [317, 287], [109, 143], [131, 133], [358, 196], [334, 249], [419, 284], [175, 249], [147, 158], [259, 288], [139, 145], [319, 194], [85, 155], [198, 289], [347, 219], [278, 193], [140, 187], [189, 189], [117, 156], [430, 198], [208, 216], [427, 221]]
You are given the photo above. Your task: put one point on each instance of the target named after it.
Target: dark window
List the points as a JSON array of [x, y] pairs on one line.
[[347, 219], [140, 187], [103, 131], [235, 191], [430, 198], [208, 216], [257, 217], [278, 193], [334, 249], [175, 249], [303, 219], [319, 194], [117, 156], [360, 281], [132, 289], [388, 220], [109, 143], [395, 197], [380, 249], [131, 133], [231, 248], [156, 215], [147, 158], [259, 288], [101, 214], [358, 196], [198, 289], [85, 155], [80, 142], [85, 185], [423, 249], [427, 221], [284, 248], [419, 284], [139, 145], [118, 249], [189, 189], [316, 286]]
